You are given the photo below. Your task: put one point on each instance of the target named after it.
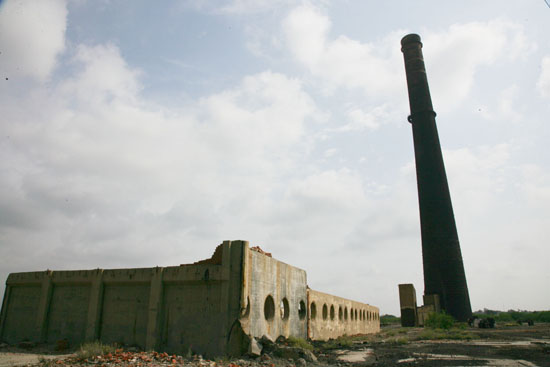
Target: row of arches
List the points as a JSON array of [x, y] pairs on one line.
[[354, 314], [284, 309]]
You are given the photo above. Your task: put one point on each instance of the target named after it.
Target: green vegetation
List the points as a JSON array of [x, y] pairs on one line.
[[515, 316], [341, 342], [96, 348], [389, 320], [299, 342], [439, 320]]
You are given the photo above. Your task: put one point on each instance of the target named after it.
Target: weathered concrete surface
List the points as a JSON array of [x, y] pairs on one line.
[[212, 307], [331, 317], [407, 301], [275, 290], [173, 308]]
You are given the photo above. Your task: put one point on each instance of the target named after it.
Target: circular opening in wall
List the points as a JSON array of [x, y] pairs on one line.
[[325, 311], [302, 310], [269, 308], [340, 313], [285, 309], [313, 310], [332, 312], [346, 313]]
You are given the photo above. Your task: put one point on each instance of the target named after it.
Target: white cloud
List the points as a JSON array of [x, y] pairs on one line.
[[373, 67], [268, 110], [100, 167], [477, 177], [254, 6], [104, 74], [500, 211], [32, 35], [330, 152], [536, 186], [505, 108], [543, 84], [239, 7], [330, 199], [453, 57], [370, 120]]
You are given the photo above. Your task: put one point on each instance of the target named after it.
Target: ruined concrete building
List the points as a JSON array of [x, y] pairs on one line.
[[213, 307]]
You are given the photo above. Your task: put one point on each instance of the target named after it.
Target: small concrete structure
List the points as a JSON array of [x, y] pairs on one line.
[[407, 301], [213, 307], [411, 314]]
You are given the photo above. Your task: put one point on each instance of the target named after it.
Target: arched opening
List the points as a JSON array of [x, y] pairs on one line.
[[325, 311], [269, 308], [302, 312], [346, 314], [340, 313], [332, 312], [285, 309], [313, 310]]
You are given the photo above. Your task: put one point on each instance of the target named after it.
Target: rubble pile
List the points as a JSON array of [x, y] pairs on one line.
[[154, 359]]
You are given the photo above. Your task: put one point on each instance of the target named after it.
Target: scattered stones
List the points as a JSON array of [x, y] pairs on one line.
[[300, 362], [309, 356]]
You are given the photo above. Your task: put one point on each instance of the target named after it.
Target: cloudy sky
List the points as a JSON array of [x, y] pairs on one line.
[[136, 136]]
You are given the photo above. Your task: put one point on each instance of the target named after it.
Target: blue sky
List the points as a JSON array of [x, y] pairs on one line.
[[137, 135]]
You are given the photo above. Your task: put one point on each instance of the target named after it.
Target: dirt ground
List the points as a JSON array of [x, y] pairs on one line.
[[504, 346]]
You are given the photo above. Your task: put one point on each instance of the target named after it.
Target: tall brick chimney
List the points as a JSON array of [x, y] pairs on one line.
[[443, 268]]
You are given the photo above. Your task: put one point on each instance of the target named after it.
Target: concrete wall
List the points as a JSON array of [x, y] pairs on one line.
[[275, 290], [212, 307], [331, 316], [174, 308]]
